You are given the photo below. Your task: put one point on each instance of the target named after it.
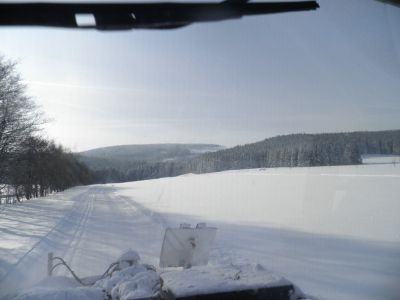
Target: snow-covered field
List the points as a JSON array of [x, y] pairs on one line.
[[333, 231], [380, 159]]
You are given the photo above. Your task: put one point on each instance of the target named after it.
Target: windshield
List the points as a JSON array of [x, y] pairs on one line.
[[279, 131]]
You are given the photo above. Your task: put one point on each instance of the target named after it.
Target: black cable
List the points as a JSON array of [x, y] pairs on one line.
[[108, 269], [112, 268], [69, 269]]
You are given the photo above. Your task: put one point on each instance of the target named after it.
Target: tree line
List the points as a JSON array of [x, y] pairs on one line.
[[302, 150], [295, 150], [30, 165]]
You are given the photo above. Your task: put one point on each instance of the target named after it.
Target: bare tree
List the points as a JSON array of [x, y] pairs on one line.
[[19, 116]]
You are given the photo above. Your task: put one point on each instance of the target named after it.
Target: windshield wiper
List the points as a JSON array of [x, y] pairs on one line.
[[117, 16]]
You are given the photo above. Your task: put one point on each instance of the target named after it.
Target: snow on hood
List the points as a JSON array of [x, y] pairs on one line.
[[134, 282], [128, 258], [214, 279]]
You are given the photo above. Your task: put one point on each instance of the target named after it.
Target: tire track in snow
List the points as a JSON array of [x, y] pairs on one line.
[[25, 271], [151, 214], [149, 247], [68, 236], [35, 245], [76, 238]]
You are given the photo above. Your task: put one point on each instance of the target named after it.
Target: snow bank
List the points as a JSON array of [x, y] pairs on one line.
[[353, 201], [380, 159]]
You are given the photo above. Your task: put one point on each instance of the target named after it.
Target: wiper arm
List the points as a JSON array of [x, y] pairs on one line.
[[117, 16]]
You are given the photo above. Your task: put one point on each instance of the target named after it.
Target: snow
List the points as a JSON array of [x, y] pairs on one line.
[[81, 293], [224, 278], [352, 201], [134, 282], [380, 159], [60, 288], [333, 231], [128, 258]]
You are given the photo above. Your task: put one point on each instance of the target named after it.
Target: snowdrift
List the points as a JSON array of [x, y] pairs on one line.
[[354, 201]]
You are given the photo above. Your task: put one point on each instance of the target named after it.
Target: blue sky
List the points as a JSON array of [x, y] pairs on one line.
[[233, 82]]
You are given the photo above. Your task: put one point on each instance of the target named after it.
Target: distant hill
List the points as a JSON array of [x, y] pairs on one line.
[[150, 152], [138, 162], [122, 158]]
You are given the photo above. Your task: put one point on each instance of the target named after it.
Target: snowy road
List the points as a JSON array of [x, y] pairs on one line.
[[91, 226]]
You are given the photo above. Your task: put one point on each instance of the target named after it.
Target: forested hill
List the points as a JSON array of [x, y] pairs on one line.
[[149, 152], [295, 150], [118, 163], [298, 150]]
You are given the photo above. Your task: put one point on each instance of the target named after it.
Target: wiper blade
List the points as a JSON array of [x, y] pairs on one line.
[[117, 16]]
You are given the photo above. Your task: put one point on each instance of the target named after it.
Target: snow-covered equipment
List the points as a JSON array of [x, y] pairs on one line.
[[228, 282], [126, 278], [131, 280], [187, 246]]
